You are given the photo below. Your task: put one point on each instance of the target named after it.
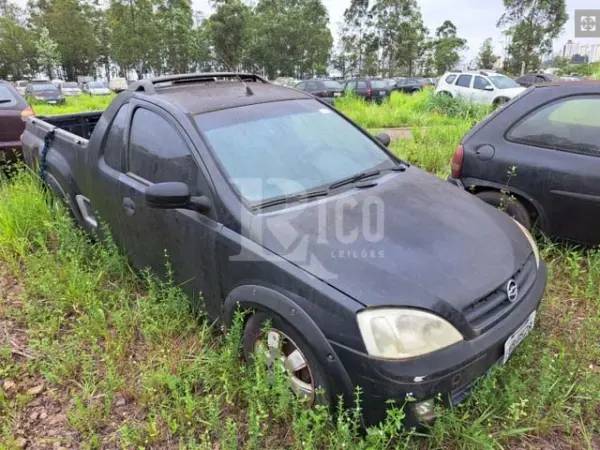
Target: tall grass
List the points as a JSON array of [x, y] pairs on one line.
[[133, 367], [80, 103], [401, 110]]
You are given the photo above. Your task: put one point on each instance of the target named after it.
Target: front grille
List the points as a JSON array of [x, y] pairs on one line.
[[488, 310]]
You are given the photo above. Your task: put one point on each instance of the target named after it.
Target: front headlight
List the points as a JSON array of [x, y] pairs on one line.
[[532, 242], [398, 333]]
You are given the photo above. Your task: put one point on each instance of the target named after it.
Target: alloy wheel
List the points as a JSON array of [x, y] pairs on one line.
[[279, 346]]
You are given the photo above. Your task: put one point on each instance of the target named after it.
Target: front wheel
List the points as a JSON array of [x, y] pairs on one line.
[[305, 373], [507, 203]]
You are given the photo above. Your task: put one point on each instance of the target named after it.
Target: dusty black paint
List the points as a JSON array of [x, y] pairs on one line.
[[560, 188], [442, 249]]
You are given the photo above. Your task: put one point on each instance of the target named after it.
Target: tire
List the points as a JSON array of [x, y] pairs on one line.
[[499, 102], [312, 374], [445, 94], [510, 205]]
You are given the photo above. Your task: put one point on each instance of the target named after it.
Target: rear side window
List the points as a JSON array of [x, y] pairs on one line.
[[312, 86], [450, 79], [8, 99], [378, 84], [464, 81], [301, 86], [571, 125], [361, 85], [115, 140], [157, 152]]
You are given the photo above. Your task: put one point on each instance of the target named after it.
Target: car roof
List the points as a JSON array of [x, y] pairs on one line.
[[591, 84], [206, 92]]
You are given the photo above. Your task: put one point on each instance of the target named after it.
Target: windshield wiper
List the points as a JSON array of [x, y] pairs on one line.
[[5, 100], [290, 199], [354, 178], [364, 175]]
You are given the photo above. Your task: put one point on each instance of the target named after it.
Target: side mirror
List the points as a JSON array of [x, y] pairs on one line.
[[384, 138], [174, 195], [169, 195], [488, 88]]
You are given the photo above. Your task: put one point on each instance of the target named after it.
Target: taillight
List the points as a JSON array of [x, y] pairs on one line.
[[27, 112], [369, 91], [457, 162], [325, 93]]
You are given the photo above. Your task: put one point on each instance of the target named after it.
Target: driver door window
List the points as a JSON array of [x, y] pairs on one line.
[[157, 152]]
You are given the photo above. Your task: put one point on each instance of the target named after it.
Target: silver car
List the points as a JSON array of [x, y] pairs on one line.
[[70, 88]]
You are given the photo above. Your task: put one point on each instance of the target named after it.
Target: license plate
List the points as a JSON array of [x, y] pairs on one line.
[[337, 94], [517, 337], [382, 93]]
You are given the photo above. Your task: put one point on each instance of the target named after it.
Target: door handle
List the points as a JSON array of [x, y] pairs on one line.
[[129, 206]]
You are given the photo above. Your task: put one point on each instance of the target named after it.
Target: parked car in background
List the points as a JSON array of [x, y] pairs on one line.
[[117, 84], [44, 91], [70, 88], [95, 88], [370, 90], [536, 78], [188, 166], [485, 87], [286, 81], [571, 78], [543, 149], [21, 85], [411, 85], [326, 90], [14, 110]]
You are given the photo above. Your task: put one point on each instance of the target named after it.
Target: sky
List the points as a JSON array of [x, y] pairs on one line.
[[475, 20]]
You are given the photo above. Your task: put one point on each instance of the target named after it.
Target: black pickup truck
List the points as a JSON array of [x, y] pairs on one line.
[[371, 272]]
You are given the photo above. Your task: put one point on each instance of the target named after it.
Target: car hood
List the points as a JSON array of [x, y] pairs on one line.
[[48, 95], [100, 91], [71, 90], [432, 245], [513, 92]]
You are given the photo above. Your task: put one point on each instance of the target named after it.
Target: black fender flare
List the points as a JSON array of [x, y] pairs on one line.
[[471, 183], [256, 297]]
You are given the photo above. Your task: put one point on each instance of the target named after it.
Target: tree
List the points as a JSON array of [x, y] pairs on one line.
[[229, 28], [69, 25], [533, 25], [135, 36], [357, 23], [486, 58], [399, 33], [47, 50], [290, 38], [18, 51], [447, 46]]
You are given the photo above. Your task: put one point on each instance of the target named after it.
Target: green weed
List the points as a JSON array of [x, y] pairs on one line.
[[76, 104]]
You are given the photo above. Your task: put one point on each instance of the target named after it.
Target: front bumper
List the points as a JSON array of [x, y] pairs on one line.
[[450, 372]]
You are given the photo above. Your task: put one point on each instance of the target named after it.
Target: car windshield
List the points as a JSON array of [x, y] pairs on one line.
[[378, 84], [44, 87], [70, 85], [332, 84], [283, 148], [502, 82], [96, 85]]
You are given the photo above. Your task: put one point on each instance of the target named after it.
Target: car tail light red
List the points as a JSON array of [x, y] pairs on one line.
[[369, 92], [456, 163], [27, 112], [325, 93]]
